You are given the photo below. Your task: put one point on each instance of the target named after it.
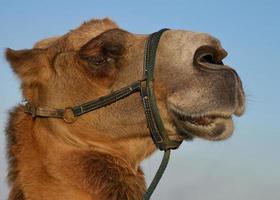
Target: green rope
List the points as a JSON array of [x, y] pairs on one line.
[[158, 175]]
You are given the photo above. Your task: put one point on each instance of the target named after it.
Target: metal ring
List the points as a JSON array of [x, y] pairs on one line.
[[69, 116]]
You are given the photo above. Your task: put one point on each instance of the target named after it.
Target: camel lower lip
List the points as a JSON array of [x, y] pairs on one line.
[[212, 131], [212, 127]]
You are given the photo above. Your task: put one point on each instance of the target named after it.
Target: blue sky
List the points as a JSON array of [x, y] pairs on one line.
[[244, 167]]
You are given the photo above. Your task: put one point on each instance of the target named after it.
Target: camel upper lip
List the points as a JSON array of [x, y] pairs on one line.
[[202, 119], [183, 113]]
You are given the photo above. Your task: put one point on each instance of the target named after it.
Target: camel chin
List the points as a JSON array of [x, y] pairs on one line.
[[207, 126]]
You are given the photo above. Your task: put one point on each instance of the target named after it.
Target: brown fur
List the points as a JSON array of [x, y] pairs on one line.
[[98, 156], [73, 171], [101, 175]]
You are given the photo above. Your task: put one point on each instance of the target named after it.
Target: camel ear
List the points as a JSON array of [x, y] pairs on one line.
[[29, 64]]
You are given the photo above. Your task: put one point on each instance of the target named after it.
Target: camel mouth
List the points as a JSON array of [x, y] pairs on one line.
[[211, 126], [202, 120]]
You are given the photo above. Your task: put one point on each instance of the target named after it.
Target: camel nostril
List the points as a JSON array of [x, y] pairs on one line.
[[207, 58], [210, 55]]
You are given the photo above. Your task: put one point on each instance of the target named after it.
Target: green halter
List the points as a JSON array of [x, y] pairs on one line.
[[145, 87]]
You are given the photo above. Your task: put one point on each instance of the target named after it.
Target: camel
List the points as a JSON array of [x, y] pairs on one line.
[[98, 156]]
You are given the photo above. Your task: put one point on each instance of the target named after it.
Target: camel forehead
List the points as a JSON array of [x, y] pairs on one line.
[[175, 39], [78, 37]]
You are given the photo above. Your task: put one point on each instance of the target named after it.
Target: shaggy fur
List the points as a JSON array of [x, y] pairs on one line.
[[90, 173], [111, 174]]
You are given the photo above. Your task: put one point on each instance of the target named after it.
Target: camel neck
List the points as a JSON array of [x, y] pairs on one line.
[[41, 159]]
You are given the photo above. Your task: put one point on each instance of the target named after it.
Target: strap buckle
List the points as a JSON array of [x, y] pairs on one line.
[[29, 108], [69, 115]]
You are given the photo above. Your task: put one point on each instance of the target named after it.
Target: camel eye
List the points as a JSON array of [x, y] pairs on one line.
[[97, 60]]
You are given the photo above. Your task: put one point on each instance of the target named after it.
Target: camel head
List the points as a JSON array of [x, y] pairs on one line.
[[197, 94]]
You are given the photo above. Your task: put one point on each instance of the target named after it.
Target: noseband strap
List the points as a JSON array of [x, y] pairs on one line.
[[154, 121], [146, 89]]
